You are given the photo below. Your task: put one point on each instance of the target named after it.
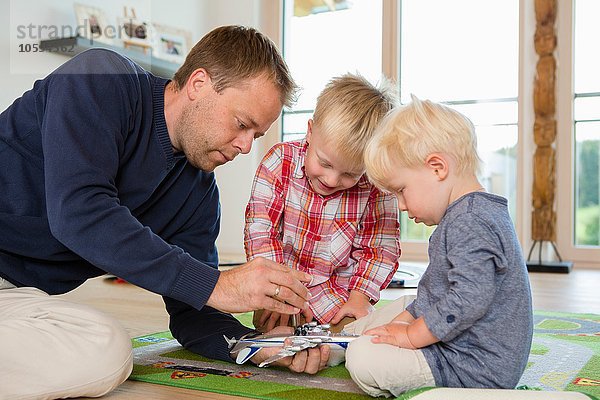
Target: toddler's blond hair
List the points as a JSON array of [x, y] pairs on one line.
[[412, 132]]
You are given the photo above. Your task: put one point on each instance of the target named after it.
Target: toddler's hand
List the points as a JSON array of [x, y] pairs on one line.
[[394, 333]]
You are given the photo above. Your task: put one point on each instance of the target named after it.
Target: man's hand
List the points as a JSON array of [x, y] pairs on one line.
[[309, 361], [260, 284], [357, 306]]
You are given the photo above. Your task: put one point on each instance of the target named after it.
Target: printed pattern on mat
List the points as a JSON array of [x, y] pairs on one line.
[[159, 360], [565, 355]]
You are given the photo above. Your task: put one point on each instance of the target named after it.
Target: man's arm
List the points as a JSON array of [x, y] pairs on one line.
[[84, 148], [91, 106]]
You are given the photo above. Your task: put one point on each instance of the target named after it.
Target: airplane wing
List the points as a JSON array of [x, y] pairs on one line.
[[246, 353]]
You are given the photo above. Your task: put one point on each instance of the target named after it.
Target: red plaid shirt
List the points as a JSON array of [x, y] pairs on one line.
[[347, 241]]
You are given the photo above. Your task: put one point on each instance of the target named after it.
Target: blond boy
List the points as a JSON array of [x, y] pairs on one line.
[[470, 324], [312, 207]]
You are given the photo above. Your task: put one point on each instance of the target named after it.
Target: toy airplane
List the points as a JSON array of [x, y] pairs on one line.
[[305, 336]]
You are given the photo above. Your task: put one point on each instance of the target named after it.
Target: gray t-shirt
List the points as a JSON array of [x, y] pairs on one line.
[[475, 296]]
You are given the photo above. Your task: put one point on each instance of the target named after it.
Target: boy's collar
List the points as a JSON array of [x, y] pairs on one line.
[[363, 182], [299, 170]]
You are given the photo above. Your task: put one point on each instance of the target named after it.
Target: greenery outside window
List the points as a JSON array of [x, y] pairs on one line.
[[586, 109]]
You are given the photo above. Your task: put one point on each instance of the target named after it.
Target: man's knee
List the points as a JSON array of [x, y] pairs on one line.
[[97, 351], [108, 358], [79, 351]]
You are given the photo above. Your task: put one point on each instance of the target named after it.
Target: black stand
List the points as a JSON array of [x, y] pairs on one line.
[[559, 266]]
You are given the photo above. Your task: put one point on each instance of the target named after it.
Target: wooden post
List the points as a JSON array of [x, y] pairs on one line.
[[543, 216]]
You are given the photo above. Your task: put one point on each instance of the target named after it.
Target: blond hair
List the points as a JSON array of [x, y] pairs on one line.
[[348, 110], [412, 132], [233, 53]]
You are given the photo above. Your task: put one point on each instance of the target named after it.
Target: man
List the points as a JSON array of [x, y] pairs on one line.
[[107, 168]]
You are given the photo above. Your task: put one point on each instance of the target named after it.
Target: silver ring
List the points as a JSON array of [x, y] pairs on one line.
[[277, 289]]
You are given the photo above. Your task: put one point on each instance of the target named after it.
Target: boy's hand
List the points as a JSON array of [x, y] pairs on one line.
[[270, 319], [358, 305], [394, 333]]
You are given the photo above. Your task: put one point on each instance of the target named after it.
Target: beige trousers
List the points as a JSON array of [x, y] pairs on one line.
[[51, 348], [383, 369]]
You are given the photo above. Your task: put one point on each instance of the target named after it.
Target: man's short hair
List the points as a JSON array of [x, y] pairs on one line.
[[414, 131], [233, 53], [348, 110]]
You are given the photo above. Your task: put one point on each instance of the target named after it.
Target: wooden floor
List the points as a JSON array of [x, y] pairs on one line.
[[142, 312]]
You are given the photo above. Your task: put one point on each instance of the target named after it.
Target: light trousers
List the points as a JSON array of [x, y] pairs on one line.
[[51, 348], [382, 369]]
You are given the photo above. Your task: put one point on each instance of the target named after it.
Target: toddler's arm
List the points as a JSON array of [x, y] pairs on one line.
[[404, 316], [401, 333]]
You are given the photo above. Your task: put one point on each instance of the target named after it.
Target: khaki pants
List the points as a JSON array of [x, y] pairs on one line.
[[383, 369], [51, 348]]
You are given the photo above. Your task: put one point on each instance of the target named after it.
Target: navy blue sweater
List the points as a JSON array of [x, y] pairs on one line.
[[89, 184]]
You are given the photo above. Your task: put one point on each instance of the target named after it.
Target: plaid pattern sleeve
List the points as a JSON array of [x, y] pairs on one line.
[[376, 245], [262, 232]]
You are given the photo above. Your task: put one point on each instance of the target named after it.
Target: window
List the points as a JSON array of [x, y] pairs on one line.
[[441, 59], [478, 57], [586, 129], [320, 43], [471, 65]]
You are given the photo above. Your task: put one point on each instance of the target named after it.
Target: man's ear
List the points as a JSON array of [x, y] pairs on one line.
[[309, 130], [198, 80], [438, 164]]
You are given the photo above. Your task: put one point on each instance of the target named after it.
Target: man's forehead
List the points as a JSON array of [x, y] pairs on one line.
[[258, 98]]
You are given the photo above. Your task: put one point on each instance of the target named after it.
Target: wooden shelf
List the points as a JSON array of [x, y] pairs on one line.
[[71, 46]]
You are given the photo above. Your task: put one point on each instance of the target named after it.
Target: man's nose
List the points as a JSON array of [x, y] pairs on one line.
[[244, 142]]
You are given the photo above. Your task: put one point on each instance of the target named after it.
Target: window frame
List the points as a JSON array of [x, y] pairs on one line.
[[565, 140], [565, 143]]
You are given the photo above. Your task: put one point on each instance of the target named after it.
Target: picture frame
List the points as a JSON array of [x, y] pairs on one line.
[[171, 43], [134, 32], [92, 24]]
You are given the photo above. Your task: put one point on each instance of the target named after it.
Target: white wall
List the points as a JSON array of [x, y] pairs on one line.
[[235, 178], [18, 72]]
